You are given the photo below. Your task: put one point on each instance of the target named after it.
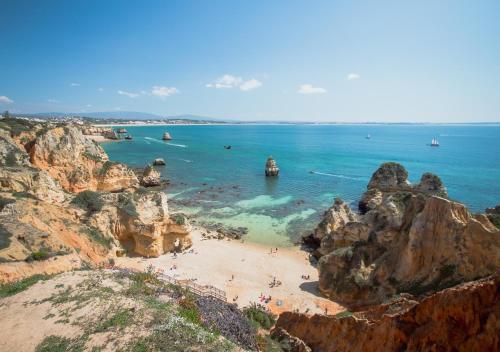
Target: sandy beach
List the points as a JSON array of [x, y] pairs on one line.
[[244, 271]]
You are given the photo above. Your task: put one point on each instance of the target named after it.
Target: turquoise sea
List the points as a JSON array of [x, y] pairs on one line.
[[317, 162]]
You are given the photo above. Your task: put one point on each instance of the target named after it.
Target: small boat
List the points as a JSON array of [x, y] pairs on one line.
[[434, 142], [227, 147], [368, 136], [128, 137]]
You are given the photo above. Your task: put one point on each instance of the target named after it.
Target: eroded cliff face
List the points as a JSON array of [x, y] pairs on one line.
[[141, 221], [407, 238], [78, 163], [44, 229], [462, 318]]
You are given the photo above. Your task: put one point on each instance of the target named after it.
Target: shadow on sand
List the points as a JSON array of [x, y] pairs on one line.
[[311, 287]]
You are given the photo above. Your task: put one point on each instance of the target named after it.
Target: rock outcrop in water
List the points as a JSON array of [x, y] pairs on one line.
[[407, 238], [166, 136], [150, 177], [271, 167], [462, 318], [63, 203]]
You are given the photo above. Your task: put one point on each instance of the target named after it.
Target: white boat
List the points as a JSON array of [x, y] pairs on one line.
[[434, 142]]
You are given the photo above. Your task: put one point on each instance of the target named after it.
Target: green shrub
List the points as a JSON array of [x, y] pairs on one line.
[[91, 156], [97, 236], [120, 319], [12, 288], [495, 219], [259, 317], [54, 344], [343, 314], [105, 167], [88, 200], [189, 310], [42, 254], [179, 219]]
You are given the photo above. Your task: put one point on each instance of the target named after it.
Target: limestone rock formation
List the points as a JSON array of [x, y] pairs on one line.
[[462, 318], [159, 162], [407, 239], [166, 136], [150, 177], [44, 229], [10, 154], [78, 163], [271, 167], [113, 177], [142, 223]]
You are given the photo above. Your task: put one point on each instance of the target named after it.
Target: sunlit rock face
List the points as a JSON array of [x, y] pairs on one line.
[[407, 238], [462, 318], [78, 163]]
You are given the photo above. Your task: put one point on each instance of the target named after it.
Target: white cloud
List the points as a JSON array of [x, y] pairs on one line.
[[53, 100], [226, 81], [100, 89], [163, 92], [88, 105], [74, 84], [250, 84], [230, 81], [5, 100], [353, 76], [128, 94], [309, 89]]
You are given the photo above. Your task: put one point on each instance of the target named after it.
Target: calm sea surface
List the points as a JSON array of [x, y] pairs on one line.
[[317, 162]]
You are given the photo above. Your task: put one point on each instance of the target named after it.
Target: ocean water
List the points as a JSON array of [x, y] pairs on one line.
[[317, 163]]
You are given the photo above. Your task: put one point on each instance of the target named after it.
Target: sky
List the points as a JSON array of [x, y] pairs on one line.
[[349, 61]]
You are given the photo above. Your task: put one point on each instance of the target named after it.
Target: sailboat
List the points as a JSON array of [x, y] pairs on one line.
[[434, 142]]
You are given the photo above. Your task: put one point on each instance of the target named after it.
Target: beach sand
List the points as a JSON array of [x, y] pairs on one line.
[[214, 262]]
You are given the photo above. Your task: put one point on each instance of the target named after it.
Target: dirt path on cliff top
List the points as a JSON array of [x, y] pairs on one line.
[[214, 262]]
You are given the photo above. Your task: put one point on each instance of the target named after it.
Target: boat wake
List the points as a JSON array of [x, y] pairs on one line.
[[177, 145], [186, 160], [335, 175], [161, 142]]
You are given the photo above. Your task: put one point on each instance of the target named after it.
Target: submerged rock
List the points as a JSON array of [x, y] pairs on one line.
[[271, 167], [166, 136]]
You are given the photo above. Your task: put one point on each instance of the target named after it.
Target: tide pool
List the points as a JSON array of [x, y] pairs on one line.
[[317, 162]]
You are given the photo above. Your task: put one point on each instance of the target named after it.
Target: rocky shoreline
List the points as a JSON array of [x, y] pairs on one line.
[[416, 270], [53, 174]]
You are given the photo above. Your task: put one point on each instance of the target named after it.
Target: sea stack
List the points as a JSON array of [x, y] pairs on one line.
[[166, 136], [122, 130], [159, 161], [271, 167]]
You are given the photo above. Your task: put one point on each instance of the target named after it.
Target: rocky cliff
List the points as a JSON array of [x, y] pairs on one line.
[[406, 238], [462, 318], [78, 163], [63, 204]]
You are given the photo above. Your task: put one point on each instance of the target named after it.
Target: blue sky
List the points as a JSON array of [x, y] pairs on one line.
[[436, 61]]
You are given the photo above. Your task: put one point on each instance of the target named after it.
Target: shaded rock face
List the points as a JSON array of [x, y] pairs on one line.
[[407, 240], [10, 154], [142, 223], [159, 162], [271, 167], [288, 342], [462, 318], [78, 163], [150, 177]]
